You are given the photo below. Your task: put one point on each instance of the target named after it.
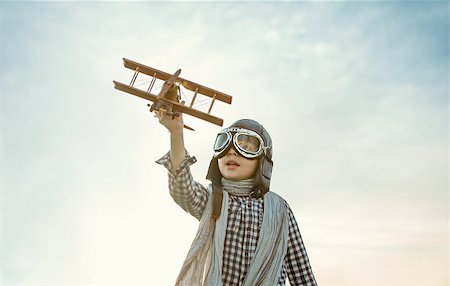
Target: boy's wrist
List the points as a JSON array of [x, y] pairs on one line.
[[176, 132]]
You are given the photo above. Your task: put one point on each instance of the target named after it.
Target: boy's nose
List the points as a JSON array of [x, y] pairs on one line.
[[232, 152]]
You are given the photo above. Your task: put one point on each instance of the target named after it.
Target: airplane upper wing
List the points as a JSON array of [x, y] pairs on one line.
[[184, 82]]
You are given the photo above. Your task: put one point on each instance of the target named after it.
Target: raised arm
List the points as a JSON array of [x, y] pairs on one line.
[[188, 194], [175, 127]]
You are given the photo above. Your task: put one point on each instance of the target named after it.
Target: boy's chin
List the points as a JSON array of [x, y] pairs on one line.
[[233, 179], [236, 178]]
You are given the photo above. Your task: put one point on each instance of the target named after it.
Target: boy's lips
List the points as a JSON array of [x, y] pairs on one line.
[[232, 163]]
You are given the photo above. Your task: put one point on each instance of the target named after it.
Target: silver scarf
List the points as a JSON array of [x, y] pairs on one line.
[[203, 264]]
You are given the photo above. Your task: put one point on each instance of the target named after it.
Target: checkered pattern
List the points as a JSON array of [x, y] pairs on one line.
[[245, 216]]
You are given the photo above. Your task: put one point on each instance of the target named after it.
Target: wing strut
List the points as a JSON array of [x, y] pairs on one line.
[[151, 83], [195, 96], [212, 102], [133, 79]]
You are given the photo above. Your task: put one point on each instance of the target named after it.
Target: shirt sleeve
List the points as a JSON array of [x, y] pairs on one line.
[[297, 263], [188, 194]]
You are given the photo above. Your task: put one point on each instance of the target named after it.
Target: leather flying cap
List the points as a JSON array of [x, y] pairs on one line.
[[265, 165]]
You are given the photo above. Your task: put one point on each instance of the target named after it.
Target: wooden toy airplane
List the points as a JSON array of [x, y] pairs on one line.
[[168, 98]]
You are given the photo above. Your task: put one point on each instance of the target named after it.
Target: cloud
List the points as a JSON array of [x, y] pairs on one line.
[[353, 94]]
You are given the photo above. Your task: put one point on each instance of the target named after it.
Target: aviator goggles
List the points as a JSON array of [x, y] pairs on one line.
[[246, 142]]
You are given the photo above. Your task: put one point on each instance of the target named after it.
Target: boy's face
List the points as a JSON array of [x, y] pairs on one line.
[[235, 167]]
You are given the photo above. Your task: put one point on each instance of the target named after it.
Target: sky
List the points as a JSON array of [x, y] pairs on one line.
[[353, 94]]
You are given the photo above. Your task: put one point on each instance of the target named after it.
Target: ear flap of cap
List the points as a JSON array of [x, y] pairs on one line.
[[262, 179], [266, 167], [214, 174]]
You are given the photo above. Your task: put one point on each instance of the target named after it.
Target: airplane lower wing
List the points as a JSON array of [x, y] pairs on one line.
[[175, 105], [196, 113], [134, 91]]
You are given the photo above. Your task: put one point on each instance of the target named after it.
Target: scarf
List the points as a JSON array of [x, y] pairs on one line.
[[203, 264]]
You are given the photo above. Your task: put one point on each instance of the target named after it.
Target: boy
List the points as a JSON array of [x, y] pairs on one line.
[[247, 235]]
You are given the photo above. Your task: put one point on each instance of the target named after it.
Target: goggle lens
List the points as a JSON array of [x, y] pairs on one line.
[[222, 141], [248, 143]]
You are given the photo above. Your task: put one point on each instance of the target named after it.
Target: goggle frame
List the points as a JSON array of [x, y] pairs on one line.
[[232, 134]]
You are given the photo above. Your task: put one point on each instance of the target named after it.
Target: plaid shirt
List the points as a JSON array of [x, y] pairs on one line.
[[244, 221]]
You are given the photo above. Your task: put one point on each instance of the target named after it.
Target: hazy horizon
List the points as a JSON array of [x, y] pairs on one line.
[[354, 95]]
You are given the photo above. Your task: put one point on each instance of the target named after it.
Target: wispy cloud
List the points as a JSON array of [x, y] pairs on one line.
[[354, 95]]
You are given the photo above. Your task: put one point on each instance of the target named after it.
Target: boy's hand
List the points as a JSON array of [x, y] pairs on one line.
[[172, 124]]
